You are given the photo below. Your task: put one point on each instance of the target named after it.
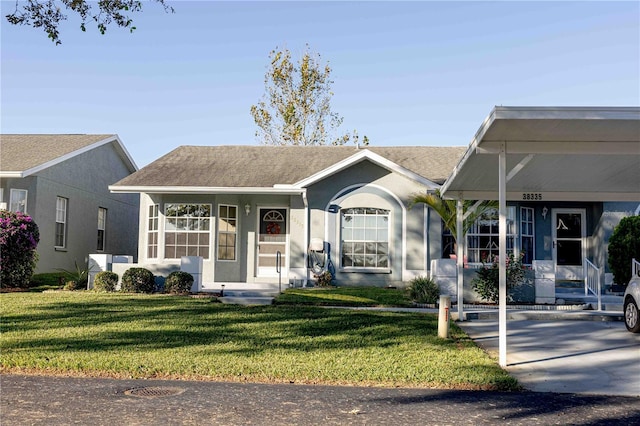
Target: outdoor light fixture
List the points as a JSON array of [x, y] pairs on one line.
[[247, 208], [545, 210]]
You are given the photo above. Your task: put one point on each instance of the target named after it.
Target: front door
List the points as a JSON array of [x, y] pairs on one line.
[[569, 232], [272, 239]]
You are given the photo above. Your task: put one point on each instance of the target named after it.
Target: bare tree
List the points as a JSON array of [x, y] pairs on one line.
[[296, 106]]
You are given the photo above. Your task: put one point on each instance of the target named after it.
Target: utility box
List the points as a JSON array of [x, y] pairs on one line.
[[98, 262], [193, 265], [445, 273], [545, 281]]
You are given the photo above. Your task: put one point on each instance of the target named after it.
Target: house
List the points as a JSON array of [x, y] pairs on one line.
[[62, 182], [261, 215]]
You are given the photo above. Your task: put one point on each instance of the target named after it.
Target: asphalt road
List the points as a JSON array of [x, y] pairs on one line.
[[37, 400]]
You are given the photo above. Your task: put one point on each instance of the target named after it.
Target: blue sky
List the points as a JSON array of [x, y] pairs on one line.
[[405, 73]]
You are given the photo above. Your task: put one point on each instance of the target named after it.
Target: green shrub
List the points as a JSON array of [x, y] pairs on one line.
[[76, 280], [323, 279], [624, 245], [72, 285], [48, 280], [19, 236], [105, 281], [178, 282], [423, 290], [486, 283], [138, 280]]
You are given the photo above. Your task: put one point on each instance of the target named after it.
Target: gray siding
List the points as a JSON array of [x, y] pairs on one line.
[[84, 181]]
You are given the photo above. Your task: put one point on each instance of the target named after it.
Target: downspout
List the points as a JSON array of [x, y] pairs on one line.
[[306, 235]]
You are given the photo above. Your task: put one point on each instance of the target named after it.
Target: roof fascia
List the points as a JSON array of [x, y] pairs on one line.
[[586, 196], [204, 190], [364, 154], [566, 113], [124, 154], [11, 174]]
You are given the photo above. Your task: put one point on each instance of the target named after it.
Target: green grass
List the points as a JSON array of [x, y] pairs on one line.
[[47, 281], [345, 296], [115, 335]]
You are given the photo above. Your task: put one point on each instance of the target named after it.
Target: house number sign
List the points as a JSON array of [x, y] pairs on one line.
[[532, 196]]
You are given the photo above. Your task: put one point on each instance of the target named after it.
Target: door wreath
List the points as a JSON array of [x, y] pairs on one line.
[[273, 228]]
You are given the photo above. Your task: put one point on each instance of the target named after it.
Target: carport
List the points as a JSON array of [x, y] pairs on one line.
[[546, 154]]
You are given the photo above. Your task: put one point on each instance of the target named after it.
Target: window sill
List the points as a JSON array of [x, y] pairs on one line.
[[63, 249], [365, 270]]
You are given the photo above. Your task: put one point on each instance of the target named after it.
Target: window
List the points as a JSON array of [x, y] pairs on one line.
[[186, 231], [365, 238], [483, 237], [527, 235], [152, 232], [227, 232], [102, 225], [61, 222], [18, 200], [448, 242]]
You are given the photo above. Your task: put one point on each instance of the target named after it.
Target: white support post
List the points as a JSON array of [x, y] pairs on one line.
[[502, 254], [460, 258]]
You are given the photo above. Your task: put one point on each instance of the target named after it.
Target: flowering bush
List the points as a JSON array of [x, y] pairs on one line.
[[19, 238], [487, 279]]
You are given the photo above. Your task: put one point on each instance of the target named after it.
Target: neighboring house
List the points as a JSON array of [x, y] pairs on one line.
[[238, 207], [62, 182]]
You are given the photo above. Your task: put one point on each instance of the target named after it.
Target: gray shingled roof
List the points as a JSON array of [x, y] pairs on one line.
[[265, 166], [24, 152]]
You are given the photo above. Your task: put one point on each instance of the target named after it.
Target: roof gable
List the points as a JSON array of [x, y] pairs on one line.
[[360, 156], [25, 154]]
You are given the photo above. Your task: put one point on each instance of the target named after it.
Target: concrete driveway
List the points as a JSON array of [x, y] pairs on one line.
[[566, 356]]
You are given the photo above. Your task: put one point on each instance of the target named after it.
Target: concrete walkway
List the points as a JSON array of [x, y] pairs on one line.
[[558, 353]]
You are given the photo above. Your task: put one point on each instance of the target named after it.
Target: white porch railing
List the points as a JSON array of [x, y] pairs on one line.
[[592, 281], [635, 269]]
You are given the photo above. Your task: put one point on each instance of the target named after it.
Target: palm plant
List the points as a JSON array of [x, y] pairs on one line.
[[447, 210]]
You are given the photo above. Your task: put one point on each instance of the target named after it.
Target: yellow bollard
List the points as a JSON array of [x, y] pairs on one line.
[[443, 317]]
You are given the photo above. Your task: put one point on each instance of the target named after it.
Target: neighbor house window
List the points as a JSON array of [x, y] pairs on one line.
[[18, 200], [227, 232], [152, 232], [365, 238], [61, 222], [527, 235], [102, 226], [186, 231], [483, 237]]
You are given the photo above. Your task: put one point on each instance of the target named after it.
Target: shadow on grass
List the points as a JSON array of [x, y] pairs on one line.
[[64, 325]]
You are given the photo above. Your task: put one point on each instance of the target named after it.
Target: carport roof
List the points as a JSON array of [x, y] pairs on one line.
[[561, 153]]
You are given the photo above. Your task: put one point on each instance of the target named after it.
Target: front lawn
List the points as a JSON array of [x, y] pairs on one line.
[[119, 335]]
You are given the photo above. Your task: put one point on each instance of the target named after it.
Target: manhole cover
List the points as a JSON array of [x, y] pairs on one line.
[[154, 391]]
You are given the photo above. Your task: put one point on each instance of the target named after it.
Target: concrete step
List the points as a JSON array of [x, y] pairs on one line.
[[246, 301]]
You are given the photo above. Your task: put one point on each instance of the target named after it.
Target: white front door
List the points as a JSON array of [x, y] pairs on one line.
[[569, 232], [272, 242]]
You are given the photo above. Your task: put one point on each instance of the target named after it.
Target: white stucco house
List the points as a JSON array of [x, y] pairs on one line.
[[244, 208]]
